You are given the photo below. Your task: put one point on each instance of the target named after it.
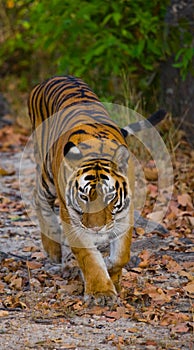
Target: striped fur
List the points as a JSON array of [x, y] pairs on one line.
[[83, 160]]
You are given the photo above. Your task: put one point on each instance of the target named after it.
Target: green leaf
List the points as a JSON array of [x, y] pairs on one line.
[[117, 17]]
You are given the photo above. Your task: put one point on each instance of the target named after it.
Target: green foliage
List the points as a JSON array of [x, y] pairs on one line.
[[95, 39], [180, 44], [183, 59], [101, 38]]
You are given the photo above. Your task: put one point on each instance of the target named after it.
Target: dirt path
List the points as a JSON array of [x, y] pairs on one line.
[[41, 304]]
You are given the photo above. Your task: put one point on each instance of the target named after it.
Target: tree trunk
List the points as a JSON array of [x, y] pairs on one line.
[[178, 94]]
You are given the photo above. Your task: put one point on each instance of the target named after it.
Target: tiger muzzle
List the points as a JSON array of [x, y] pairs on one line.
[[97, 220]]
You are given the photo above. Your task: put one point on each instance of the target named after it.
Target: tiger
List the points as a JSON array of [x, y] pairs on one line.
[[83, 160]]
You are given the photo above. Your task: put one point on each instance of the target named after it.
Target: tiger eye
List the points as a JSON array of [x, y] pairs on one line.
[[109, 197], [85, 198]]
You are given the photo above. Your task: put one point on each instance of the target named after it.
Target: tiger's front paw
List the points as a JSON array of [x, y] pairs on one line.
[[101, 299]]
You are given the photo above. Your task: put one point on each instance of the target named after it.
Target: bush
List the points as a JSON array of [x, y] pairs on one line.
[[106, 42]]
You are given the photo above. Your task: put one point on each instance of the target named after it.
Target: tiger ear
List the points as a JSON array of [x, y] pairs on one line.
[[72, 155], [71, 151], [121, 158]]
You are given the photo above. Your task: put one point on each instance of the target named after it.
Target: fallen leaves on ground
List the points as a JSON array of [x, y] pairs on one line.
[[158, 290], [12, 137]]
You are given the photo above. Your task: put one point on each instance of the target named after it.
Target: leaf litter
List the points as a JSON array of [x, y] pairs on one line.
[[42, 305]]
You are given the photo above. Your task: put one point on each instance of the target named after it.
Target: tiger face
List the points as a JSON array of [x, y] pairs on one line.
[[98, 196]]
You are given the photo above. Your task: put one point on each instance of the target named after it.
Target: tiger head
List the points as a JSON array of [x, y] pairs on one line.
[[97, 194]]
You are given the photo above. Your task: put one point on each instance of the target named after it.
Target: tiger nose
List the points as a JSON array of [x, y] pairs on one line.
[[96, 228]]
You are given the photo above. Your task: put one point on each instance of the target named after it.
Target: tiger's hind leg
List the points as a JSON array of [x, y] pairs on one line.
[[49, 224], [52, 248]]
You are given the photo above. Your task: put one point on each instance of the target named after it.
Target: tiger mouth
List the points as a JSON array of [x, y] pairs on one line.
[[107, 234]]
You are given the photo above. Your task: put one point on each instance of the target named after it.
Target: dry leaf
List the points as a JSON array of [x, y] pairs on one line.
[[156, 216], [67, 288], [151, 174], [16, 283], [189, 287], [180, 328], [2, 286], [157, 294], [116, 315], [153, 190], [4, 172], [32, 265], [151, 343], [145, 256], [35, 283], [173, 266], [13, 302], [38, 255], [173, 318], [9, 136], [32, 248], [191, 219], [57, 340], [110, 337], [4, 313], [184, 200], [186, 274], [8, 277], [132, 330], [140, 231]]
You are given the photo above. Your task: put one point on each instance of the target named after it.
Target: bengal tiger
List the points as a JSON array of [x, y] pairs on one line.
[[82, 158]]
